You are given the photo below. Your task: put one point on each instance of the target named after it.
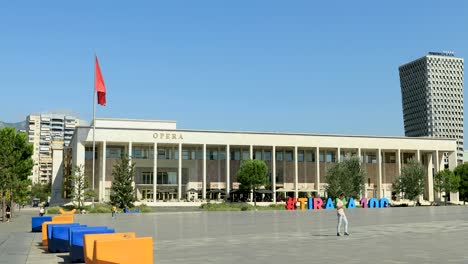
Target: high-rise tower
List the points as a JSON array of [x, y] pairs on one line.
[[432, 97]]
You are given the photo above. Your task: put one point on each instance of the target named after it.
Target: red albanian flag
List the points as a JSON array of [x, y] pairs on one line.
[[99, 85]]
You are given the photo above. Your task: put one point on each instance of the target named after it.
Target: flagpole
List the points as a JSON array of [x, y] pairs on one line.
[[94, 125]]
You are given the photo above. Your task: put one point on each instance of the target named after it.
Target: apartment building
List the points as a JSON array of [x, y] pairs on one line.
[[42, 130]]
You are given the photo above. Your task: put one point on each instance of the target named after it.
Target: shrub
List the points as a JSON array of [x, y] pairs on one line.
[[145, 209], [244, 207], [53, 210], [99, 208]]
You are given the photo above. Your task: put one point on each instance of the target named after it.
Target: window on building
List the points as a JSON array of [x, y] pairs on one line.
[[167, 177], [186, 154], [235, 154], [89, 153], [164, 153], [146, 178], [140, 152], [279, 155], [288, 155], [330, 156], [310, 156], [258, 155], [267, 155], [300, 155], [245, 155], [371, 158], [322, 156], [114, 152]]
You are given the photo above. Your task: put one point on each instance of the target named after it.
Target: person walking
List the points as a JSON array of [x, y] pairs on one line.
[[114, 211], [41, 211], [341, 216], [8, 213]]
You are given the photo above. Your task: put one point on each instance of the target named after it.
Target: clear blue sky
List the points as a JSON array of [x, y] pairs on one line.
[[295, 66]]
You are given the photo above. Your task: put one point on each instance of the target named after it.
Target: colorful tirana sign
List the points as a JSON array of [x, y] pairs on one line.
[[317, 203]]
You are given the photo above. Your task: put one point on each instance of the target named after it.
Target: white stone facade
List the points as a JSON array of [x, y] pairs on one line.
[[207, 161]]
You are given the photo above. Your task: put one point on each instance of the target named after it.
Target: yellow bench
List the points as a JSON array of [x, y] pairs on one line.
[[88, 242], [60, 219], [124, 251], [63, 212]]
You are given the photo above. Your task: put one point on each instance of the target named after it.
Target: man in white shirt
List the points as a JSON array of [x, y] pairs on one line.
[[341, 216]]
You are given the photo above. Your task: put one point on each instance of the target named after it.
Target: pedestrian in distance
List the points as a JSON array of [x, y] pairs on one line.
[[8, 213], [341, 216], [114, 211], [41, 211]]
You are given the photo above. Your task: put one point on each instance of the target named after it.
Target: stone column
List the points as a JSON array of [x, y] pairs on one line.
[[398, 161], [418, 158], [454, 197], [228, 170], [439, 165], [296, 178], [379, 174], [251, 158], [56, 193], [155, 171], [317, 169], [204, 173], [179, 174], [102, 195], [130, 152], [430, 178], [366, 185], [273, 173], [338, 155]]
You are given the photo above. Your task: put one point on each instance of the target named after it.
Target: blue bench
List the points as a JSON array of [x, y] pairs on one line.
[[59, 240], [76, 240], [131, 211], [36, 222], [50, 226]]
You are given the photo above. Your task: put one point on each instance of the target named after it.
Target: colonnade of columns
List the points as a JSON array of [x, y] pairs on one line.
[[434, 160]]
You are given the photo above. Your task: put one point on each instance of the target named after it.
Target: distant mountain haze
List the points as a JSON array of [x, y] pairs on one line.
[[18, 125]]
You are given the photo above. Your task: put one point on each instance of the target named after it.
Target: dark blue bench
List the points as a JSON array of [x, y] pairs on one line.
[[125, 210], [59, 240], [76, 240], [36, 222]]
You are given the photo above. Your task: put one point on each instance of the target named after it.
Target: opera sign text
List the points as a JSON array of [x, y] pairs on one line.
[[317, 203], [168, 136]]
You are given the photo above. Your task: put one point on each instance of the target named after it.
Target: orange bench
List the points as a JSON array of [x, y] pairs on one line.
[[63, 212], [124, 251], [60, 219], [88, 242]]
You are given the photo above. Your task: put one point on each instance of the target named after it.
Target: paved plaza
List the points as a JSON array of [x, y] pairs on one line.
[[392, 235]]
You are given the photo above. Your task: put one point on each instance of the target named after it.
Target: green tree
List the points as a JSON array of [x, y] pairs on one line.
[[122, 193], [81, 191], [346, 177], [252, 174], [15, 162], [462, 172], [22, 192], [446, 181], [40, 191], [411, 180]]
